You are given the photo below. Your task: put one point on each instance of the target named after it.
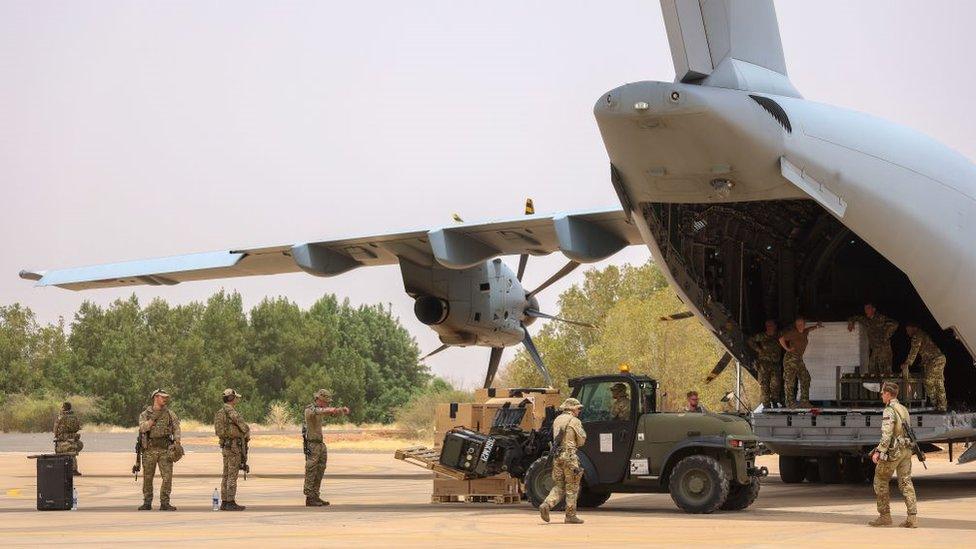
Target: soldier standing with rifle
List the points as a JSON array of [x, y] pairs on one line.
[[66, 437], [234, 434], [568, 435], [316, 453], [894, 455], [159, 432]]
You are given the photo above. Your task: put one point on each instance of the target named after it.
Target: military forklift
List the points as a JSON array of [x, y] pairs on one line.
[[706, 461]]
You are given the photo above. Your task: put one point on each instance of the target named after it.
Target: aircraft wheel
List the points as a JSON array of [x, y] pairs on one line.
[[828, 467], [698, 484], [853, 469], [811, 471], [792, 469]]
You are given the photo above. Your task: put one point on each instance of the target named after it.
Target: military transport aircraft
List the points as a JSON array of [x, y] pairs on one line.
[[756, 202]]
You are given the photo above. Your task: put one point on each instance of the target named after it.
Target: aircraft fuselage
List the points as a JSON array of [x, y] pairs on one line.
[[688, 150]]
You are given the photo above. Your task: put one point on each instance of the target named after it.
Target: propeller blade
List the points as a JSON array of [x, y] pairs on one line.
[[534, 353], [434, 352], [493, 361], [719, 367], [677, 316], [523, 261], [539, 314], [567, 268]]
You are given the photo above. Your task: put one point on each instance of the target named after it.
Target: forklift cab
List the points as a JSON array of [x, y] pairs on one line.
[[609, 439]]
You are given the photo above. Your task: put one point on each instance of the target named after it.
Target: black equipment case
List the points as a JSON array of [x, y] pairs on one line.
[[463, 450], [55, 482]]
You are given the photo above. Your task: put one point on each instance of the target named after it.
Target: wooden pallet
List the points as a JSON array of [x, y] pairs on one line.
[[428, 458], [499, 499]]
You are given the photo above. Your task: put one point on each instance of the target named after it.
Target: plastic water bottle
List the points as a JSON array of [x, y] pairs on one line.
[[74, 499], [216, 500]]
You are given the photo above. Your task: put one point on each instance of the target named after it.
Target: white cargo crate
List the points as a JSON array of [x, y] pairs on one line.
[[830, 347]]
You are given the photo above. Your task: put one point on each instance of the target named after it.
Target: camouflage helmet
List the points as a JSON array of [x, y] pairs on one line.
[[570, 404], [323, 394], [159, 392], [232, 393], [618, 388]]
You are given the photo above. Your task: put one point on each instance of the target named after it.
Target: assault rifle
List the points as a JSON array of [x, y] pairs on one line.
[[138, 465], [244, 448], [910, 435], [305, 448]]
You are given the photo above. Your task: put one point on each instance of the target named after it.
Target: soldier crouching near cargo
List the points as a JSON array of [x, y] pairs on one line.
[[160, 431], [933, 365], [316, 453], [568, 435], [66, 437], [233, 433], [893, 455]]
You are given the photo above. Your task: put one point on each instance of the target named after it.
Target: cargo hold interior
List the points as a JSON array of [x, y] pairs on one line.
[[743, 263]]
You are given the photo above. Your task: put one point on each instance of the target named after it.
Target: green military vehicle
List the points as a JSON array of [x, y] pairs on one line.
[[705, 461]]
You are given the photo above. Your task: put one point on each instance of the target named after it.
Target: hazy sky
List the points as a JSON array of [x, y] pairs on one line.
[[141, 129]]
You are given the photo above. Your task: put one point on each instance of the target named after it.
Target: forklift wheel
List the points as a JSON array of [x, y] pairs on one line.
[[538, 482], [741, 495], [698, 484]]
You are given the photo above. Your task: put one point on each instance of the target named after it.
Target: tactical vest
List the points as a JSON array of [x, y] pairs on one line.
[[67, 427], [224, 426], [162, 429]]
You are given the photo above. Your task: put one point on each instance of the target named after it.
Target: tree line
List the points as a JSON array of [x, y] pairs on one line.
[[277, 352]]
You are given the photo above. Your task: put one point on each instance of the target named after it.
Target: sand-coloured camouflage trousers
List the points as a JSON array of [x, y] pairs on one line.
[[795, 370], [232, 467], [315, 462], [566, 476], [899, 461], [933, 372], [151, 457], [769, 380], [879, 358]]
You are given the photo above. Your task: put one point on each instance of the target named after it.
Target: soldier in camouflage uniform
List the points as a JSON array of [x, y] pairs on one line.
[[879, 330], [66, 437], [794, 341], [768, 357], [893, 455], [233, 433], [316, 453], [566, 470], [933, 365], [620, 408], [160, 431]]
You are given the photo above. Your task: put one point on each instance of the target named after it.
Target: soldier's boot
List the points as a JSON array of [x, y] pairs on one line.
[[146, 505], [573, 519], [910, 522], [321, 501], [166, 507], [233, 506], [804, 404], [544, 511], [882, 520], [313, 502]]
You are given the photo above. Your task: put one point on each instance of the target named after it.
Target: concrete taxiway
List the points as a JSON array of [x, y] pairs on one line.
[[378, 501]]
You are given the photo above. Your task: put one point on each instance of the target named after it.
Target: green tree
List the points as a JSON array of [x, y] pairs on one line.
[[627, 304]]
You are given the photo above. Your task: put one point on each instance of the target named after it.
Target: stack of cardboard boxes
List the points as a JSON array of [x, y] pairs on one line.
[[478, 416]]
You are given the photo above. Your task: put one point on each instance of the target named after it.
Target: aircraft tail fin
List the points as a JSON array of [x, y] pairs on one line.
[[727, 44]]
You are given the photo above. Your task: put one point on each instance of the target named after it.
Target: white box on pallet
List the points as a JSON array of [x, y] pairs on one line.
[[830, 347]]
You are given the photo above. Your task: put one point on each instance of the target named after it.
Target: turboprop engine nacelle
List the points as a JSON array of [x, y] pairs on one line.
[[481, 305]]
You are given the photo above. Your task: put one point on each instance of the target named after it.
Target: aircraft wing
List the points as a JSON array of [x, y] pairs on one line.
[[584, 237]]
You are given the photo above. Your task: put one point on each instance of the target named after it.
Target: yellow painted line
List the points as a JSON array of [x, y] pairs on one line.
[[13, 493]]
